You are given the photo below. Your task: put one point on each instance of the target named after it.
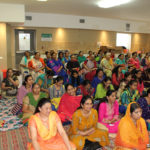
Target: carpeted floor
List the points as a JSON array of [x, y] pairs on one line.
[[14, 139]]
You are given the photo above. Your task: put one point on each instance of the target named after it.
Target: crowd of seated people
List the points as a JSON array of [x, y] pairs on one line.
[[84, 93]]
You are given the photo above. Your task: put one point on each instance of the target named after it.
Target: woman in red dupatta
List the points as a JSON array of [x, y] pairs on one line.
[[68, 103], [132, 131]]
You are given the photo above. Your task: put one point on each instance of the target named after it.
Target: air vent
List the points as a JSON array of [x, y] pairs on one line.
[[82, 20], [127, 27], [28, 17]]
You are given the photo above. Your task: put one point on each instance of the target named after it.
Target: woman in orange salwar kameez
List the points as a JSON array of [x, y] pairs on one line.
[[132, 131], [46, 131]]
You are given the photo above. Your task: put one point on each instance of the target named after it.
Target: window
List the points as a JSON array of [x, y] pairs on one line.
[[24, 41], [123, 39]]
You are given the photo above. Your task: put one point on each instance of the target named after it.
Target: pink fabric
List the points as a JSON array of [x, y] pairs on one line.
[[67, 106], [105, 112], [22, 92], [135, 62], [140, 88]]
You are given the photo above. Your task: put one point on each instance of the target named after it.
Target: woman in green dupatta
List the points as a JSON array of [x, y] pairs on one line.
[[30, 102]]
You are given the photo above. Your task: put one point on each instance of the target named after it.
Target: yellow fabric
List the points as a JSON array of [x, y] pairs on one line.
[[56, 101], [45, 133], [81, 123], [131, 136]]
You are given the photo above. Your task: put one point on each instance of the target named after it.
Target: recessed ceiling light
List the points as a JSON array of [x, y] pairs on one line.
[[112, 3], [42, 0]]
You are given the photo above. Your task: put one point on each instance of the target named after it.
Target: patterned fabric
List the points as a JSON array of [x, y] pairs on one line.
[[11, 122], [81, 123]]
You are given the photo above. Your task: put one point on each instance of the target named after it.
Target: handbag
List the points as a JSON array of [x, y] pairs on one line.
[[89, 145]]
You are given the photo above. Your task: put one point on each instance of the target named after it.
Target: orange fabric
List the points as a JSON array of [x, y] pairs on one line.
[[131, 136], [48, 139]]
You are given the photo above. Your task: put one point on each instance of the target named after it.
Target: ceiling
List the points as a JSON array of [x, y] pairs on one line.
[[138, 10]]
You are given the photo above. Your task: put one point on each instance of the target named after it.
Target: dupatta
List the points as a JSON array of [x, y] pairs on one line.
[[45, 133], [67, 106], [131, 136]]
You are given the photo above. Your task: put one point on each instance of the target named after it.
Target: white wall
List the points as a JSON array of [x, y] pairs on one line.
[[12, 13], [70, 21]]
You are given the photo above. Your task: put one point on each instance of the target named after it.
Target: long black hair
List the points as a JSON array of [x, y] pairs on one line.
[[73, 79], [135, 77], [41, 102], [115, 70], [59, 54], [26, 79], [86, 82], [8, 71]]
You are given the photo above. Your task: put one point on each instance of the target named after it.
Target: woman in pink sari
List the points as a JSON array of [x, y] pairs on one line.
[[68, 103], [109, 112], [134, 61]]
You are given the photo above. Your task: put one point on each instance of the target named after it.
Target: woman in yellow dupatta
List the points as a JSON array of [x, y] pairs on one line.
[[132, 131], [46, 131]]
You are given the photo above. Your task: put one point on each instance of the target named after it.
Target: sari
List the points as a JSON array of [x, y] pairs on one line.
[[32, 103], [55, 65], [134, 62], [81, 59], [24, 61], [107, 112], [36, 64], [47, 138], [81, 123], [67, 106], [131, 136], [107, 66]]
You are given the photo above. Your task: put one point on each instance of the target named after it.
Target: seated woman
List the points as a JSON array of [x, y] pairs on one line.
[[144, 103], [68, 104], [61, 57], [30, 102], [120, 61], [10, 83], [103, 87], [81, 58], [106, 65], [73, 64], [22, 92], [45, 80], [24, 63], [134, 61], [90, 54], [138, 77], [66, 58], [46, 131], [57, 66], [99, 77], [85, 89], [132, 131], [84, 125], [90, 68], [117, 76], [46, 60], [109, 112], [56, 91], [129, 95], [36, 66], [75, 79]]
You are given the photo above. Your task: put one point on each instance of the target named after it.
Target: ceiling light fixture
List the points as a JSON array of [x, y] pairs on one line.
[[112, 3], [42, 0]]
